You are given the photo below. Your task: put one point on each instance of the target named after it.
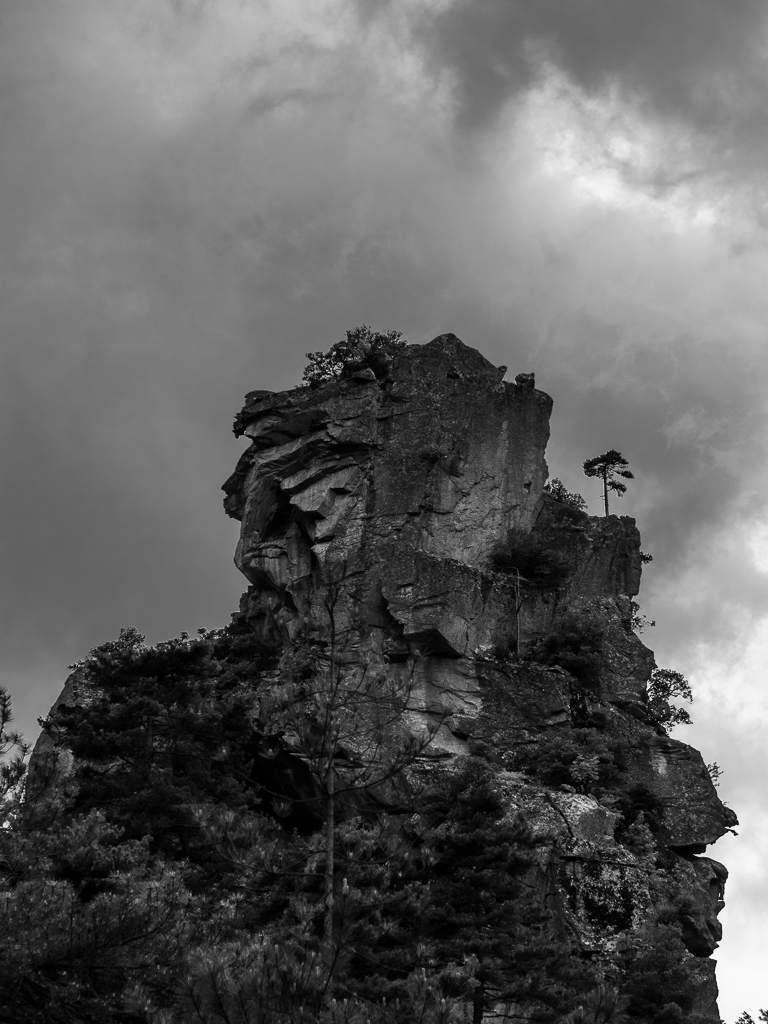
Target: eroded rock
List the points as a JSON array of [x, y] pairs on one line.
[[376, 508], [381, 503]]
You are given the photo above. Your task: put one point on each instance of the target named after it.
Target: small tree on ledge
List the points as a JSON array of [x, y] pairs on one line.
[[560, 492], [608, 467], [362, 347]]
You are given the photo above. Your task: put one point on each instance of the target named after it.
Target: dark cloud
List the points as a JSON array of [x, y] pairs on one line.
[[194, 195], [171, 246], [693, 59]]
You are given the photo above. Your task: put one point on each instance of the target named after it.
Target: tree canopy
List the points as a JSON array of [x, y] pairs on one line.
[[223, 851], [361, 348]]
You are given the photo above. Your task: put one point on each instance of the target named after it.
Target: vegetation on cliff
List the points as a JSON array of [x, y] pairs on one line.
[[356, 804], [361, 348], [607, 467], [180, 874], [177, 877]]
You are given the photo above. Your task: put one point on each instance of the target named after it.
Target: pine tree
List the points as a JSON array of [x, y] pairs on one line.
[[82, 913], [14, 751], [608, 467], [656, 982], [172, 751], [479, 921], [163, 730]]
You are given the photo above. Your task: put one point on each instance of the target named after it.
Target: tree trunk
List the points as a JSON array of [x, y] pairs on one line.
[[605, 488], [330, 827], [478, 1004], [517, 612]]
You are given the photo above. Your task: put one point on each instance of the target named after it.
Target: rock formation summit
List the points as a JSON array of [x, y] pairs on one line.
[[407, 510]]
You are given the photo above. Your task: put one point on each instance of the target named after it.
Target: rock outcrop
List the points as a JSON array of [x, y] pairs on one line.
[[409, 512], [396, 528]]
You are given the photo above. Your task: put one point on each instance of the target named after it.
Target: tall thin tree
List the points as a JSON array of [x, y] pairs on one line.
[[608, 467], [346, 722]]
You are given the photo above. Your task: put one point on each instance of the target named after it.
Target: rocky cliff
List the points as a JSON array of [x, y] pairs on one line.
[[420, 776], [409, 510]]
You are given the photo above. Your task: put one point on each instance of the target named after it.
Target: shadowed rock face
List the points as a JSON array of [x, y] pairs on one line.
[[376, 505], [432, 465]]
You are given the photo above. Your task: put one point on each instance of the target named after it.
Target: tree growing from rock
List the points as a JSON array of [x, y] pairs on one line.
[[560, 492], [479, 920], [607, 467], [361, 348], [664, 684]]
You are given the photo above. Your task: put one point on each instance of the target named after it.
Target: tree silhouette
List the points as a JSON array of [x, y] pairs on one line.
[[608, 467]]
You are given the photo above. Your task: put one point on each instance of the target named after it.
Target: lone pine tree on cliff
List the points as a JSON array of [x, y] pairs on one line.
[[608, 467]]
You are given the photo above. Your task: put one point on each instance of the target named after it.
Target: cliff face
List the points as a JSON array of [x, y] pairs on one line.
[[408, 512], [432, 698]]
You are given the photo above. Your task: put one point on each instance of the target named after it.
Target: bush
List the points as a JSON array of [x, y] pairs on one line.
[[524, 553], [574, 645], [638, 804], [580, 758], [557, 489], [638, 621], [165, 729], [657, 981], [664, 684], [362, 347]]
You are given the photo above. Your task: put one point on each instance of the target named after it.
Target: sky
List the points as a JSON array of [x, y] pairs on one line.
[[195, 194]]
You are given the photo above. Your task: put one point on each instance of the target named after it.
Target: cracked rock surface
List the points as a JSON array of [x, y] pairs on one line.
[[384, 502]]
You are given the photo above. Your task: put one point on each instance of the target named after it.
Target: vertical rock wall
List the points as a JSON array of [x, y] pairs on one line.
[[378, 504], [431, 466]]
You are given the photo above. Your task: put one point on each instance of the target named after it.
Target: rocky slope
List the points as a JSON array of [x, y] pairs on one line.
[[408, 511]]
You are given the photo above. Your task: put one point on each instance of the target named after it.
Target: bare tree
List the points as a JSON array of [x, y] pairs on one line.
[[346, 719]]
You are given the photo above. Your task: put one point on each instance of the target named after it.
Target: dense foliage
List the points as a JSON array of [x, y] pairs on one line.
[[524, 553], [361, 348], [164, 882], [219, 854], [557, 489], [574, 644]]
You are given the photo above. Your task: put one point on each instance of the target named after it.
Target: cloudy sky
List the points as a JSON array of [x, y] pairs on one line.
[[195, 194]]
